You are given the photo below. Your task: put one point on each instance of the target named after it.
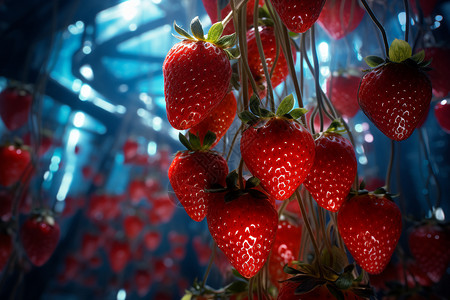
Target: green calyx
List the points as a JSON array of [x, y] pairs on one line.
[[214, 36], [336, 127], [285, 109], [400, 52], [194, 143]]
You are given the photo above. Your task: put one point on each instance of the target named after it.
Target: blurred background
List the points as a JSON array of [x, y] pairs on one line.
[[95, 69]]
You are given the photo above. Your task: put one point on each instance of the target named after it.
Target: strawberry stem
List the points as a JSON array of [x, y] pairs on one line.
[[211, 260], [407, 21], [389, 168], [378, 24]]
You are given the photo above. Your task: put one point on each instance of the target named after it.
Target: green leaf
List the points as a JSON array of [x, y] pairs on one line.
[[266, 113], [247, 117], [231, 179], [335, 292], [373, 61], [237, 287], [425, 63], [290, 270], [255, 105], [296, 113], [308, 284], [181, 31], [197, 29], [399, 51], [286, 105], [215, 32], [195, 141], [233, 53], [210, 138], [184, 141], [237, 274], [227, 41], [252, 182], [344, 281], [234, 195], [187, 297], [362, 186], [418, 57]]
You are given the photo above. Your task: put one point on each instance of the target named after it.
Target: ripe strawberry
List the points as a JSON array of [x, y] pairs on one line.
[[143, 280], [39, 235], [15, 105], [285, 249], [6, 247], [14, 164], [268, 41], [202, 249], [197, 74], [162, 209], [278, 151], [333, 171], [396, 94], [440, 64], [194, 170], [298, 15], [89, 245], [119, 255], [427, 6], [218, 121], [442, 114], [130, 150], [244, 229], [211, 10], [343, 92], [152, 240], [340, 17], [429, 244], [326, 120], [132, 225], [370, 226]]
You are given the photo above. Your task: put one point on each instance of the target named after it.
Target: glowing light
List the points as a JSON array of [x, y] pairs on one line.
[[74, 136], [358, 128], [363, 160], [368, 138], [79, 24], [323, 51], [402, 18], [157, 122], [85, 92], [87, 72], [121, 294], [444, 102], [105, 105], [156, 1], [64, 187], [78, 119], [76, 85], [123, 88], [87, 49], [439, 18], [130, 9], [325, 71], [151, 148], [365, 126], [120, 109], [132, 27], [439, 213]]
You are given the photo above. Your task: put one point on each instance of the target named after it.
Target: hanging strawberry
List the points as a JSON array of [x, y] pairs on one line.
[[119, 255], [342, 89], [243, 224], [442, 114], [333, 171], [427, 6], [40, 235], [15, 164], [340, 17], [276, 148], [197, 74], [397, 92], [194, 170], [370, 226], [298, 15], [218, 120], [440, 64], [15, 105]]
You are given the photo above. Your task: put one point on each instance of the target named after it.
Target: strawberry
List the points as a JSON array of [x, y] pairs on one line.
[[244, 229], [298, 15], [132, 225], [333, 171], [162, 209], [130, 150], [440, 64], [143, 279], [119, 255], [203, 250], [225, 8], [197, 74], [45, 143], [343, 92], [277, 149], [442, 114], [6, 247], [218, 120], [15, 105], [427, 6], [285, 249], [15, 164], [39, 235], [194, 170], [396, 94], [89, 244], [326, 120], [269, 44], [152, 240], [429, 244], [370, 226], [340, 17]]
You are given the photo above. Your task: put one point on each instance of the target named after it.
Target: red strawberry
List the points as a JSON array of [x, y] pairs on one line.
[[119, 255], [143, 280], [343, 92], [427, 6], [137, 190], [14, 162], [45, 143], [285, 249], [244, 229], [440, 64], [326, 120], [218, 121], [333, 171], [279, 152], [89, 245], [6, 247], [396, 94], [15, 104], [132, 225], [130, 150], [162, 209], [211, 10], [268, 41], [287, 292], [370, 226], [152, 240], [429, 245], [340, 17], [197, 74], [203, 250], [442, 114], [298, 15], [192, 171], [39, 235]]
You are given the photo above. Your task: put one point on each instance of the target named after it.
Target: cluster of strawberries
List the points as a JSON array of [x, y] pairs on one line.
[[279, 151]]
